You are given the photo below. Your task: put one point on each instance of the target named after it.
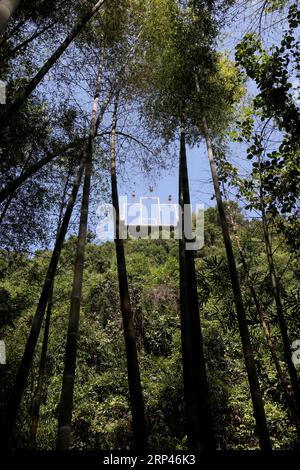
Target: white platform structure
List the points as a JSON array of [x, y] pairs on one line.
[[149, 212], [149, 218]]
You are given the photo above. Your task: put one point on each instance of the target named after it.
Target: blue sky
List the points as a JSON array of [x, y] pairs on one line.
[[167, 184], [198, 166]]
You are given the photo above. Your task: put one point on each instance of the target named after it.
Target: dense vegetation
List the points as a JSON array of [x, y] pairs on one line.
[[145, 343], [101, 407]]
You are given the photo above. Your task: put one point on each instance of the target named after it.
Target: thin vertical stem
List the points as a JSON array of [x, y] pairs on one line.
[[199, 421], [134, 380], [66, 400], [22, 374], [257, 401]]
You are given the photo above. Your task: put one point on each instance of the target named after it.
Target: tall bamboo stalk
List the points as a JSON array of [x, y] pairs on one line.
[[36, 402], [199, 421], [22, 374], [25, 92], [266, 332], [134, 381], [13, 185], [257, 401], [66, 400], [279, 309]]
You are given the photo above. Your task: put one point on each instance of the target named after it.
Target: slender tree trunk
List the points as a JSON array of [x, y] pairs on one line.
[[267, 333], [22, 374], [66, 400], [24, 43], [12, 186], [134, 381], [7, 7], [280, 312], [199, 421], [8, 35], [10, 197], [25, 92], [104, 106], [5, 208], [36, 403], [258, 406]]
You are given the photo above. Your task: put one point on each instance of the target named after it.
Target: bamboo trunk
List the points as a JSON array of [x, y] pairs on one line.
[[22, 374], [25, 92], [134, 381], [36, 403], [267, 334], [38, 392], [12, 186], [199, 421], [66, 400], [280, 312], [23, 44], [258, 406]]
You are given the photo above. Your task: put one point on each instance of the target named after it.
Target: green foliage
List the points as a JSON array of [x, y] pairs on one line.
[[163, 56], [179, 72], [271, 72], [101, 417], [273, 117]]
